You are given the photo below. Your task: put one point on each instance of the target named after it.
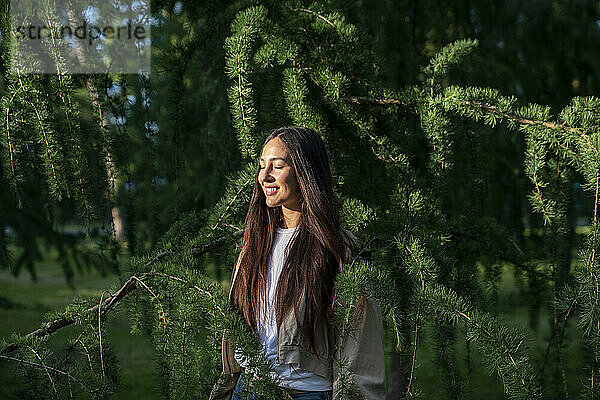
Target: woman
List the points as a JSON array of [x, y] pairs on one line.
[[283, 283]]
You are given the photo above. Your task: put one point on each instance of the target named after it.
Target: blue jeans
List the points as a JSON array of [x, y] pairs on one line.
[[298, 396]]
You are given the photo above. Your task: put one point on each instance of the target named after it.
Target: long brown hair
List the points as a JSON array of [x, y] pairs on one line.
[[315, 255]]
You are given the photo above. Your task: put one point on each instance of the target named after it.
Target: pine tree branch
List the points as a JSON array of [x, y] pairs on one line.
[[356, 100], [595, 222], [526, 121], [87, 352], [44, 366], [196, 287], [537, 185], [363, 250], [416, 336], [45, 135], [11, 151], [572, 305], [240, 190], [551, 340], [376, 102], [596, 197], [414, 354], [487, 332], [60, 323], [100, 334], [49, 368], [468, 318], [162, 309], [110, 302], [316, 14]]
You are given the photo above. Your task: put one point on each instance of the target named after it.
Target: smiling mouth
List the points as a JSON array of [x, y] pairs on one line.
[[269, 191]]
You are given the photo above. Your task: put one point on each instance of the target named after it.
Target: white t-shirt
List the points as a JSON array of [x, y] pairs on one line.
[[291, 375]]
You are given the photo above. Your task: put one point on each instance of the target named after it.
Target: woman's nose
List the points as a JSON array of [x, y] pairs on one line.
[[266, 174]]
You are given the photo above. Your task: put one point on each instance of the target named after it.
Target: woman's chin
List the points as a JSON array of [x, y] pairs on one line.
[[272, 203]]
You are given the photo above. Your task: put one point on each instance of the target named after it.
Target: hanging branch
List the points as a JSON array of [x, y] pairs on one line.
[[245, 29], [413, 362], [479, 105], [110, 302], [356, 100], [314, 13], [47, 367]]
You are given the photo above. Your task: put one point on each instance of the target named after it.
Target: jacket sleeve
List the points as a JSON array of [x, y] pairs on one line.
[[223, 388], [359, 354]]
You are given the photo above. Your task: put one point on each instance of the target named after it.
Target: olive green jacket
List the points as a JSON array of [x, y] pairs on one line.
[[360, 350]]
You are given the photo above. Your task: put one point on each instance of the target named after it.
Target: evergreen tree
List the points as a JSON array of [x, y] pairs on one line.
[[413, 168]]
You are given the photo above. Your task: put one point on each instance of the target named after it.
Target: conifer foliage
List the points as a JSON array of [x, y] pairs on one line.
[[421, 259]]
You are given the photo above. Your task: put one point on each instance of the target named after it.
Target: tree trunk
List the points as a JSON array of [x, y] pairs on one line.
[[116, 219]]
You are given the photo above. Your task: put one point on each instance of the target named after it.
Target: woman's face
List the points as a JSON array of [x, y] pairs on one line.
[[277, 177]]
